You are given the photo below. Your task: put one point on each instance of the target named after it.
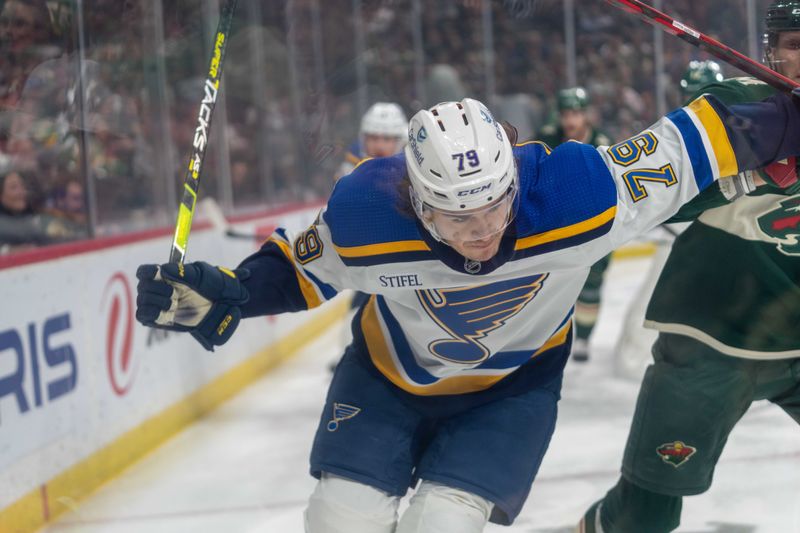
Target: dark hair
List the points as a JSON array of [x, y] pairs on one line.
[[404, 206], [27, 184]]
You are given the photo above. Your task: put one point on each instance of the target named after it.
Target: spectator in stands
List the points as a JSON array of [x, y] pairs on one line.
[[26, 40], [19, 226], [71, 203], [67, 219], [14, 195], [33, 87]]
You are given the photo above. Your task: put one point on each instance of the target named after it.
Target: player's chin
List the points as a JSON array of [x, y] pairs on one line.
[[481, 250]]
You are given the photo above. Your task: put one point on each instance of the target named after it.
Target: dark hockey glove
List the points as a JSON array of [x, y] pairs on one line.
[[194, 297]]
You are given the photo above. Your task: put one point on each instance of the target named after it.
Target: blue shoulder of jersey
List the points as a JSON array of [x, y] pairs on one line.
[[355, 153], [567, 197], [364, 214]]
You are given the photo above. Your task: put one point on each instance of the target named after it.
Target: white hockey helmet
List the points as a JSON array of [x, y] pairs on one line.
[[460, 163], [384, 118]]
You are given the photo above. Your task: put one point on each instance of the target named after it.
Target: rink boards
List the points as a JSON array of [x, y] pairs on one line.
[[85, 390]]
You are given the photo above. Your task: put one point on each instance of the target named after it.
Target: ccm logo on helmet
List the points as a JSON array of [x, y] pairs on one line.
[[476, 190]]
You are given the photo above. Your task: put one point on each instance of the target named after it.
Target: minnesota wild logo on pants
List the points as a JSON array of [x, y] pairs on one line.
[[675, 453]]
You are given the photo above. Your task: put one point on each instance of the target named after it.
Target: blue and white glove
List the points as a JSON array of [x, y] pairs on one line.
[[195, 297]]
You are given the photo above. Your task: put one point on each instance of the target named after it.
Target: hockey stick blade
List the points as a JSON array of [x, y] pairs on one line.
[[213, 212], [191, 181], [704, 42]]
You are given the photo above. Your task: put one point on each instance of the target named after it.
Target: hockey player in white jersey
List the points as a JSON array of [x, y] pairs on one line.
[[474, 253], [382, 133]]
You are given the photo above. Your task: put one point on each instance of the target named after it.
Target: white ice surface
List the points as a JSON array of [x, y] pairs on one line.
[[244, 468]]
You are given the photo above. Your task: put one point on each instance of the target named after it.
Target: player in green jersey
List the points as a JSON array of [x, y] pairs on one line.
[[726, 308], [698, 75], [573, 121], [574, 124]]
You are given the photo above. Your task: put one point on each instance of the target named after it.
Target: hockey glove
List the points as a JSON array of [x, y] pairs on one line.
[[783, 174], [194, 297]]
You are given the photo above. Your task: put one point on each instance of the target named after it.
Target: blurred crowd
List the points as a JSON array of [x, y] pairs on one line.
[[96, 118], [614, 55]]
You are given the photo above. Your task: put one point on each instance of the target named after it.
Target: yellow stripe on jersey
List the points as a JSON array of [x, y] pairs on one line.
[[362, 161], [382, 359], [547, 149], [382, 248], [352, 158], [723, 151], [558, 338], [306, 287], [567, 231]]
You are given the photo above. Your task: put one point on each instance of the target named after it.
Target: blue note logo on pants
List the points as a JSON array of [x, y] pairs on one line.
[[342, 411]]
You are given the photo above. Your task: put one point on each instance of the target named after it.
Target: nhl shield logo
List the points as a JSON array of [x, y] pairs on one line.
[[675, 453], [342, 411]]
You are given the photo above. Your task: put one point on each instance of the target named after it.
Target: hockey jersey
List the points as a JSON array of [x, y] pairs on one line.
[[553, 135], [354, 155], [751, 306], [438, 324]]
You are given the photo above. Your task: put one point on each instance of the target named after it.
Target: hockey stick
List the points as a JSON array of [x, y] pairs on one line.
[[784, 174], [211, 209], [704, 42], [191, 181]]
